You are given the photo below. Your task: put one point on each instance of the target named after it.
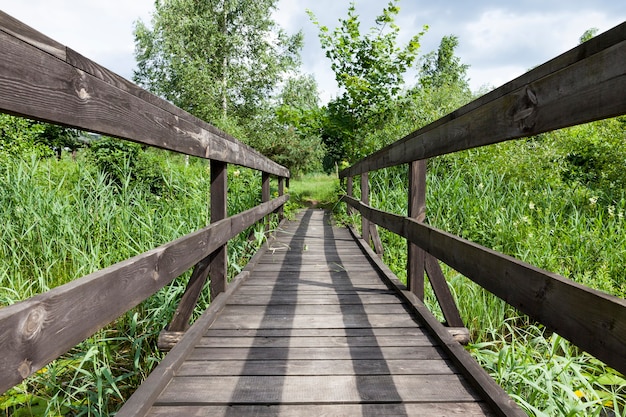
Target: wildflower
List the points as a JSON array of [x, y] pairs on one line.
[[593, 200], [579, 393], [525, 219], [236, 173], [611, 211], [531, 205]]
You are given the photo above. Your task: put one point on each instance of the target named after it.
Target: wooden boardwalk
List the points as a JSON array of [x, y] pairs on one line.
[[315, 331]]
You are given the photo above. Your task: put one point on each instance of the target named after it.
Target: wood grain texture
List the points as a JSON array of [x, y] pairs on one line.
[[582, 85], [590, 319], [41, 79], [270, 345], [35, 331]]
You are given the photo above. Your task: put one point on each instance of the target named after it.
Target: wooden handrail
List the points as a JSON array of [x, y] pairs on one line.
[[43, 80], [585, 84], [35, 331], [592, 320], [582, 85]]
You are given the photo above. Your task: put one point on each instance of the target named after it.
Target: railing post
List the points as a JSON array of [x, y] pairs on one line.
[[265, 195], [417, 210], [218, 259], [365, 199], [281, 192], [349, 193]]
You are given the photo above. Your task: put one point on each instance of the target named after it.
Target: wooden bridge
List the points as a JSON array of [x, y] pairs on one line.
[[315, 324]]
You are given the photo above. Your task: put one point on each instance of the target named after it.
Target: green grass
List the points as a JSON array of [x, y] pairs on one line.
[[314, 190], [65, 219]]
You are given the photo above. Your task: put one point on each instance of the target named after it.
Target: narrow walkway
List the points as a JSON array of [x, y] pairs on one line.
[[314, 331]]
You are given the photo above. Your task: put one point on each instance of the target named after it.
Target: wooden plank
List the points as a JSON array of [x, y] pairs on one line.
[[38, 81], [314, 298], [218, 260], [315, 341], [143, 398], [35, 331], [582, 85], [318, 322], [442, 292], [408, 332], [354, 353], [417, 210], [309, 309], [182, 315], [327, 410], [265, 195], [590, 319], [365, 198], [14, 27], [314, 389], [294, 367]]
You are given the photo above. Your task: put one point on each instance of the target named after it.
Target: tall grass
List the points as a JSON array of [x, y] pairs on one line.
[[525, 210], [65, 219]]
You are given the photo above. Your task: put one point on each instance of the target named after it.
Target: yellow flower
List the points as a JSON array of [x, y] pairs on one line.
[[579, 393]]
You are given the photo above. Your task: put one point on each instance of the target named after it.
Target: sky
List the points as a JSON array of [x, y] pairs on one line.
[[499, 40]]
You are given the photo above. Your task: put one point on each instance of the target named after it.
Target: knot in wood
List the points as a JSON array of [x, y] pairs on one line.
[[33, 323], [524, 112], [81, 86], [24, 369]]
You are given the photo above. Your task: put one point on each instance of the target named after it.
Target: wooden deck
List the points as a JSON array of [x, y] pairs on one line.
[[315, 331]]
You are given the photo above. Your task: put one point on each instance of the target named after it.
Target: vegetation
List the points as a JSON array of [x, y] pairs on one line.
[[557, 200]]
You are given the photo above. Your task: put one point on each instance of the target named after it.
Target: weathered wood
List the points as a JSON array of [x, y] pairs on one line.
[[168, 339], [590, 319], [378, 244], [492, 393], [365, 198], [265, 195], [442, 292], [314, 389], [234, 340], [139, 403], [416, 210], [294, 367], [36, 71], [582, 85], [219, 195], [349, 192], [281, 191], [36, 331], [180, 321], [462, 409]]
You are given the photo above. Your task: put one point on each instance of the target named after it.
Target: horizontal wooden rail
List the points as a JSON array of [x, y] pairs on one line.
[[38, 330], [44, 80], [590, 319], [582, 85]]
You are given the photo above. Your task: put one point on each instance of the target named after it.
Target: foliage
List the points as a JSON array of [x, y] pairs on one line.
[[20, 136], [215, 59], [65, 219], [369, 68], [443, 68]]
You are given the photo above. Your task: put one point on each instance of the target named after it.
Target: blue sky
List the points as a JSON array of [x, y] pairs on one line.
[[499, 40]]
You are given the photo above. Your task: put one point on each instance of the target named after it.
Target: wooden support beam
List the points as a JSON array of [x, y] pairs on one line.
[[349, 193], [590, 319], [219, 195], [265, 195], [579, 86], [281, 192], [417, 210], [365, 198]]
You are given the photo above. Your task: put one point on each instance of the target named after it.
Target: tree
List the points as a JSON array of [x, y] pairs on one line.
[[443, 68], [369, 69], [217, 59]]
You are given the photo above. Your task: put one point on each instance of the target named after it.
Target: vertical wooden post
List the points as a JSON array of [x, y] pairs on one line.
[[281, 192], [265, 195], [218, 264], [417, 210], [350, 193], [365, 198]]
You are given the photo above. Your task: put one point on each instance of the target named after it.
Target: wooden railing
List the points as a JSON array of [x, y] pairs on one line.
[[585, 84], [44, 80]]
